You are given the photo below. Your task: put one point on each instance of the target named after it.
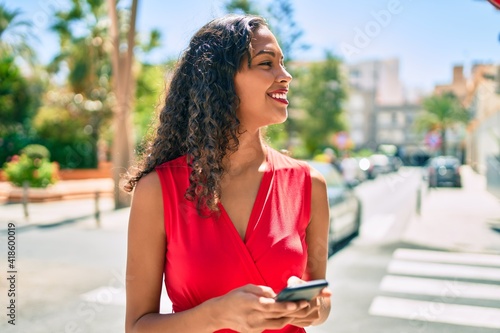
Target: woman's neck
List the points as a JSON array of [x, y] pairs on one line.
[[250, 156]]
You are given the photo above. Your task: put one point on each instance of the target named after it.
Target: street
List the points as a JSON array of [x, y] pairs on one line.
[[70, 276]]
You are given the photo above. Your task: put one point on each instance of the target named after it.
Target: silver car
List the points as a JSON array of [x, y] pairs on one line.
[[345, 207]]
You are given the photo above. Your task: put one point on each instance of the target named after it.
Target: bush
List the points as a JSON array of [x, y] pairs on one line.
[[70, 138], [32, 167], [36, 151]]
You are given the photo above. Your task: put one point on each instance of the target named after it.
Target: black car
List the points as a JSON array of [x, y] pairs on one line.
[[345, 206], [444, 171]]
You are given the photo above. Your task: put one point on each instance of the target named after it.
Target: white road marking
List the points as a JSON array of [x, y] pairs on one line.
[[377, 226], [447, 289], [443, 270], [419, 312], [448, 257], [105, 295], [117, 296]]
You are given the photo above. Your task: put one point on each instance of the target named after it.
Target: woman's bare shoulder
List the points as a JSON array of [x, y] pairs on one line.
[[147, 199], [317, 179], [148, 187]]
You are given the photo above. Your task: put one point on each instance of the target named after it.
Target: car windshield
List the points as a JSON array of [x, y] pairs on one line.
[[332, 176]]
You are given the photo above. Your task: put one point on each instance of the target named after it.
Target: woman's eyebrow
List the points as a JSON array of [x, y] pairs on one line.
[[270, 52]]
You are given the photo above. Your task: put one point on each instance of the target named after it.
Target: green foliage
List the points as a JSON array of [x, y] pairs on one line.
[[14, 33], [35, 151], [38, 172], [277, 136], [322, 93], [16, 100], [441, 112], [19, 98], [149, 87], [241, 6], [69, 134], [365, 152], [12, 139], [70, 128]]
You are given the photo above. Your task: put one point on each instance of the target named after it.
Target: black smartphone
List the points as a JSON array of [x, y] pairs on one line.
[[305, 291]]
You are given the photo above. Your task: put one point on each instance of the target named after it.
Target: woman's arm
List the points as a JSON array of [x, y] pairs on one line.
[[317, 240], [317, 254], [249, 308]]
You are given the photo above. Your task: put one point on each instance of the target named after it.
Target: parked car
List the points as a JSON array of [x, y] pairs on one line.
[[345, 206], [395, 163], [443, 171], [352, 172], [379, 164]]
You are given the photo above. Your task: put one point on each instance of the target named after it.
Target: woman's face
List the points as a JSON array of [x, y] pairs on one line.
[[262, 87]]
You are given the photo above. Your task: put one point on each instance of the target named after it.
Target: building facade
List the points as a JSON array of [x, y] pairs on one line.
[[483, 132], [378, 109]]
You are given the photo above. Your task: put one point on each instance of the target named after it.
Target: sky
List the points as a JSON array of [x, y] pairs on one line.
[[428, 36]]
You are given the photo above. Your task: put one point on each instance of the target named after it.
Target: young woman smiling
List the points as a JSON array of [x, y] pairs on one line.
[[224, 220]]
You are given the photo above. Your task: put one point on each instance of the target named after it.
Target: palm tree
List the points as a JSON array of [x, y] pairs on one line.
[[84, 54], [123, 85], [441, 112], [14, 33]]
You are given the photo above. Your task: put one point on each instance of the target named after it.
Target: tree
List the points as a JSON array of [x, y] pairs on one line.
[[18, 101], [14, 33], [122, 56], [322, 93], [441, 112], [83, 31], [19, 94], [99, 55], [241, 6]]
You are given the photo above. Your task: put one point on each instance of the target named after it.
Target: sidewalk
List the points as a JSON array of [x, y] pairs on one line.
[[62, 190], [458, 219], [78, 203]]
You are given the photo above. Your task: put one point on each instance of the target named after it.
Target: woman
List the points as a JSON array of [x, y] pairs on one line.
[[228, 221]]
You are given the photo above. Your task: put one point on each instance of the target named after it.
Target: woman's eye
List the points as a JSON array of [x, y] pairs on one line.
[[267, 63]]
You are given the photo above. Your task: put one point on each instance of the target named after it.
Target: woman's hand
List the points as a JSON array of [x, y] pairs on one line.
[[310, 314], [252, 308]]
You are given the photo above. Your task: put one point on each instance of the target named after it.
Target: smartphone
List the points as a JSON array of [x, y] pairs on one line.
[[305, 291]]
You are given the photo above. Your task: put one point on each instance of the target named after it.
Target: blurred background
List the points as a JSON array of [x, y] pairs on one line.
[[396, 102]]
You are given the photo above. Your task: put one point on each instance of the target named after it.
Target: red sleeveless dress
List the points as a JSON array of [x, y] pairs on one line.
[[206, 257]]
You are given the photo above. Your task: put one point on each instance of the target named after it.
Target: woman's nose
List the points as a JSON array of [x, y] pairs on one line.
[[284, 76]]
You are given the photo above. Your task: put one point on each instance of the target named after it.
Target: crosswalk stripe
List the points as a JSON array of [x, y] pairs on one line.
[[443, 270], [448, 257], [443, 288], [420, 312]]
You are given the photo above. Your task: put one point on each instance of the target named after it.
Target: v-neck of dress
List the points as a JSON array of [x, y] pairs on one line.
[[258, 203]]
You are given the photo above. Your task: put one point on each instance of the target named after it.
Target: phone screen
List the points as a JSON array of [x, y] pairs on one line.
[[305, 291]]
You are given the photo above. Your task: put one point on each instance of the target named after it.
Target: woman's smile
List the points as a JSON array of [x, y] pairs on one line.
[[280, 96]]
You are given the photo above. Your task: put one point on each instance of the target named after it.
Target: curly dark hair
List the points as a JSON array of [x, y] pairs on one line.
[[199, 118]]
